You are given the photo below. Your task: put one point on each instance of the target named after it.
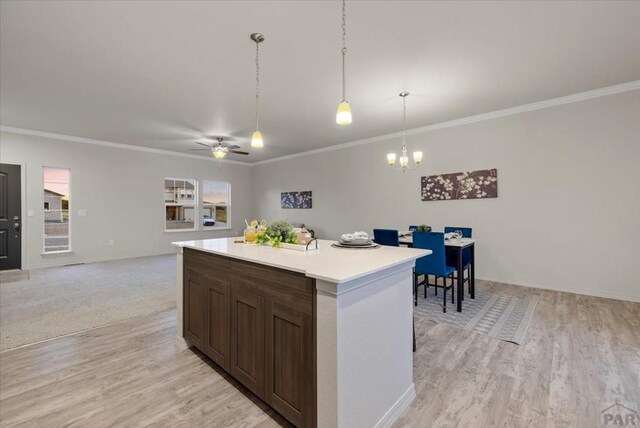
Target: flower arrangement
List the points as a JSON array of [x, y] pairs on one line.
[[274, 234]]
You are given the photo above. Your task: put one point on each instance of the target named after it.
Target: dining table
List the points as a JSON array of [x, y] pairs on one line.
[[459, 244]]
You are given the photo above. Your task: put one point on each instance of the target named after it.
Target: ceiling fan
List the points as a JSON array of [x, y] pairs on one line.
[[221, 149]]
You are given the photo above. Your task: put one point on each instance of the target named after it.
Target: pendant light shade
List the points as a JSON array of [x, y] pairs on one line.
[[256, 140], [218, 154], [343, 116]]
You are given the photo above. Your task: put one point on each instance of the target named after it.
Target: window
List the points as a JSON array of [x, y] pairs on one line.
[[56, 209], [180, 196], [215, 205]]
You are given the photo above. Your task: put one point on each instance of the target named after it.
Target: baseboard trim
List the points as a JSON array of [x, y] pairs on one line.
[[393, 414], [604, 295], [67, 262]]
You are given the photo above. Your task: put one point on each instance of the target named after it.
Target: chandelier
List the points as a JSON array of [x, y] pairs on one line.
[[403, 163]]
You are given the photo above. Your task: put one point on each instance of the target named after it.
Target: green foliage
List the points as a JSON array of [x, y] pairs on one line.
[[276, 241], [262, 238], [292, 238], [424, 228], [279, 228]]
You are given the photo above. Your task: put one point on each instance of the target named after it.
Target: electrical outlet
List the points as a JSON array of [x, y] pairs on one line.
[[82, 213], [30, 213], [111, 241]]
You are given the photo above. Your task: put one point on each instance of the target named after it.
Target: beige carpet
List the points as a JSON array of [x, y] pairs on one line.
[[57, 301]]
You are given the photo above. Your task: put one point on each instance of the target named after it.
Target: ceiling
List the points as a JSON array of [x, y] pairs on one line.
[[164, 74]]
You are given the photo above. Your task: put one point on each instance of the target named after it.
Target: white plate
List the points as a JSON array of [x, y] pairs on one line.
[[356, 242], [369, 245]]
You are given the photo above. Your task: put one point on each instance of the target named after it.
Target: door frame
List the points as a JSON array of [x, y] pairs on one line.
[[23, 211]]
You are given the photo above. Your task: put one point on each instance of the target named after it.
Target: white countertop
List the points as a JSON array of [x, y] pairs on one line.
[[327, 263]]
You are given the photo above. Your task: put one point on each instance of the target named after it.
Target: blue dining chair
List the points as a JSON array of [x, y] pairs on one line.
[[386, 237], [452, 255], [434, 264]]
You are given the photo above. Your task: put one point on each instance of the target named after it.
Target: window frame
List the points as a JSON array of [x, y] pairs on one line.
[[69, 196], [181, 202], [202, 206]]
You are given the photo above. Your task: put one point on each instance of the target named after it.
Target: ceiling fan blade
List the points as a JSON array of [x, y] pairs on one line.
[[197, 150], [238, 152], [203, 144], [233, 147]]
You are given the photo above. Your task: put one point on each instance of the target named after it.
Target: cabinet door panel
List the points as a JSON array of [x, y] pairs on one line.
[[289, 358], [216, 345], [195, 290], [247, 340]]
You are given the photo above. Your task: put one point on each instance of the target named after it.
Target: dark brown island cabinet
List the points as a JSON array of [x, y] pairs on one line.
[[256, 323]]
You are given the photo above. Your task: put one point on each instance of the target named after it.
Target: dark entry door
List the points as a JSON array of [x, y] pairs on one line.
[[10, 220]]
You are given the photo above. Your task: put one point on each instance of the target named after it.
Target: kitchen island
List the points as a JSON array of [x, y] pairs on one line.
[[324, 337]]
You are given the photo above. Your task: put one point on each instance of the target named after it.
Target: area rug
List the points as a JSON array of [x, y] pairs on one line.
[[496, 315], [62, 300]]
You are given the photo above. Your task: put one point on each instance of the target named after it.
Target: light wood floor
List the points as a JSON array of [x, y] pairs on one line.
[[581, 352]]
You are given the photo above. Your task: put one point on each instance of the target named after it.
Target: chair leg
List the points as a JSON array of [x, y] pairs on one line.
[[444, 294], [452, 288], [415, 289], [436, 286], [426, 281], [426, 284], [469, 278]]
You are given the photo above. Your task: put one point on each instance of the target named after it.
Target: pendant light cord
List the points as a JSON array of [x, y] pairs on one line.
[[344, 49], [257, 81], [404, 121]]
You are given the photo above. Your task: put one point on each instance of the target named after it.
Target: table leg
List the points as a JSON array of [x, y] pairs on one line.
[[472, 273], [460, 276]]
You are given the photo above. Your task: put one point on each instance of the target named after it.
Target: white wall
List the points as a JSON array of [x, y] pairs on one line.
[[122, 192], [568, 212]]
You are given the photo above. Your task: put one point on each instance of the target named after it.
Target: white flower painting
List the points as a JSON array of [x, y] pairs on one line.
[[300, 200], [461, 185]]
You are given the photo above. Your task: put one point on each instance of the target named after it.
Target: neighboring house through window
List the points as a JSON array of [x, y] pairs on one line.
[[180, 202], [216, 205], [57, 226]]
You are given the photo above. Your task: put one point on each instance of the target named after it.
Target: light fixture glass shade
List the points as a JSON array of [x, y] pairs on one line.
[[404, 161], [343, 116], [391, 158], [256, 140], [218, 154], [417, 157]]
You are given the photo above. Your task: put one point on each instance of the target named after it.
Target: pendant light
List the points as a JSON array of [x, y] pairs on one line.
[[256, 139], [404, 157], [343, 116]]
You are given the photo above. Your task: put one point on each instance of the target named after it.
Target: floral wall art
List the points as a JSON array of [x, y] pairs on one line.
[[461, 185], [301, 199]]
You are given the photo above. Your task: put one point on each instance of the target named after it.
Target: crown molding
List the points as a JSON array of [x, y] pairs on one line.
[[70, 138], [553, 102]]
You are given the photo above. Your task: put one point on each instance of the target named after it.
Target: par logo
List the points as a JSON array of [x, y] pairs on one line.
[[620, 415]]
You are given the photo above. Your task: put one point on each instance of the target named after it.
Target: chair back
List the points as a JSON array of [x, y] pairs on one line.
[[386, 237], [466, 231], [413, 227], [434, 264]]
